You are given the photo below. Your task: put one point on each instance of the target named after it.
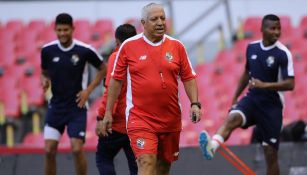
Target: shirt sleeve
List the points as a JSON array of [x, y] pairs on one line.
[[44, 58], [186, 69], [94, 57], [120, 65], [286, 65]]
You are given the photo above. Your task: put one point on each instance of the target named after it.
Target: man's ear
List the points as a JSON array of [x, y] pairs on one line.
[[117, 42], [143, 22]]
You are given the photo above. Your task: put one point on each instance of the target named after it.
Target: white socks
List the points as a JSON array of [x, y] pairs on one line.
[[214, 142]]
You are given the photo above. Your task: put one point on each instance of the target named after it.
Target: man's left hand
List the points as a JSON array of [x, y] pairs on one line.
[[82, 97], [195, 114]]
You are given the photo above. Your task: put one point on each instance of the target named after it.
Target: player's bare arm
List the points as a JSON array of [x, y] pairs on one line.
[[190, 87], [113, 93], [83, 95], [284, 85], [45, 81], [243, 82]]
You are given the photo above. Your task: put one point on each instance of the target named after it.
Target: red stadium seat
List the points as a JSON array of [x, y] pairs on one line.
[[82, 30], [7, 58], [34, 59], [8, 83], [225, 58], [46, 37], [303, 27], [251, 27], [37, 25], [34, 140], [102, 31], [14, 26], [286, 26], [32, 87], [11, 102], [188, 138], [19, 71], [6, 35], [294, 43], [26, 42], [64, 141], [136, 23], [82, 23], [104, 26]]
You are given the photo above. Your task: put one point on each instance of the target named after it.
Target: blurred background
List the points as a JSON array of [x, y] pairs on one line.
[[215, 33]]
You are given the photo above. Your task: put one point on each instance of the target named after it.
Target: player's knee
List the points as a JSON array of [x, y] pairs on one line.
[[234, 121], [50, 152], [271, 155], [77, 147], [77, 151], [146, 161]]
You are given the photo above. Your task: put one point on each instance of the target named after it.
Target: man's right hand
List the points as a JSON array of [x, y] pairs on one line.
[[45, 83], [106, 124], [98, 129]]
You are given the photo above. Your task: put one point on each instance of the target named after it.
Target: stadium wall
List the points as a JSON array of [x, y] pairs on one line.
[[292, 159]]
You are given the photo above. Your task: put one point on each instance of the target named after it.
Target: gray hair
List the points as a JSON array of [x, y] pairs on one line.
[[146, 9]]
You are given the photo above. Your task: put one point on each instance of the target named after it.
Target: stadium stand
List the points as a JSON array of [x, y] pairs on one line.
[[20, 61]]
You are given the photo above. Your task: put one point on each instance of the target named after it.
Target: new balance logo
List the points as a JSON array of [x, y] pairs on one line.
[[253, 57], [143, 57], [56, 59]]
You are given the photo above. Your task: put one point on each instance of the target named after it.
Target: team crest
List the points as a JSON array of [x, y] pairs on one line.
[[168, 56], [140, 143], [75, 59], [270, 61]]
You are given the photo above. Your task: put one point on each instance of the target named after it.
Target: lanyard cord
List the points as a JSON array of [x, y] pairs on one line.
[[159, 65]]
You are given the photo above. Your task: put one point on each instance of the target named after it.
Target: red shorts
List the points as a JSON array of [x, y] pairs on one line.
[[146, 141]]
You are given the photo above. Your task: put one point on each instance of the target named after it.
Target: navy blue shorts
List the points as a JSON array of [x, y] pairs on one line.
[[267, 117], [57, 120]]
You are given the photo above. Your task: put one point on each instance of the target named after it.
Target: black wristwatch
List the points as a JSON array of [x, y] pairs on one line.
[[197, 104]]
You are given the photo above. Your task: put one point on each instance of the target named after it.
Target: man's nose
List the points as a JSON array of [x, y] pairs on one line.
[[160, 22], [277, 31], [61, 32]]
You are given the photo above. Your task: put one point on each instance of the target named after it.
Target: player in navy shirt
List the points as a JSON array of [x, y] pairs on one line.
[[64, 65], [268, 70]]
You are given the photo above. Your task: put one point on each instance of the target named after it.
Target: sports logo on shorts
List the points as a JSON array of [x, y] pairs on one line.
[[176, 154], [254, 57], [273, 140], [82, 133], [74, 59], [168, 57], [140, 143], [270, 61]]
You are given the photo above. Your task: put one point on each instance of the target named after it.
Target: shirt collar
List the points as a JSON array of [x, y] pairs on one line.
[[65, 49], [151, 43]]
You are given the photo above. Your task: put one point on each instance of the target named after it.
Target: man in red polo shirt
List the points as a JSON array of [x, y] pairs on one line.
[[153, 63], [108, 147]]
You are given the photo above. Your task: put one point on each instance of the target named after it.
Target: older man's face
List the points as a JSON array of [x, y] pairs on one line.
[[154, 24]]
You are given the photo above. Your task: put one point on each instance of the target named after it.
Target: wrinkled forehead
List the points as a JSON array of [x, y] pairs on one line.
[[155, 11]]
